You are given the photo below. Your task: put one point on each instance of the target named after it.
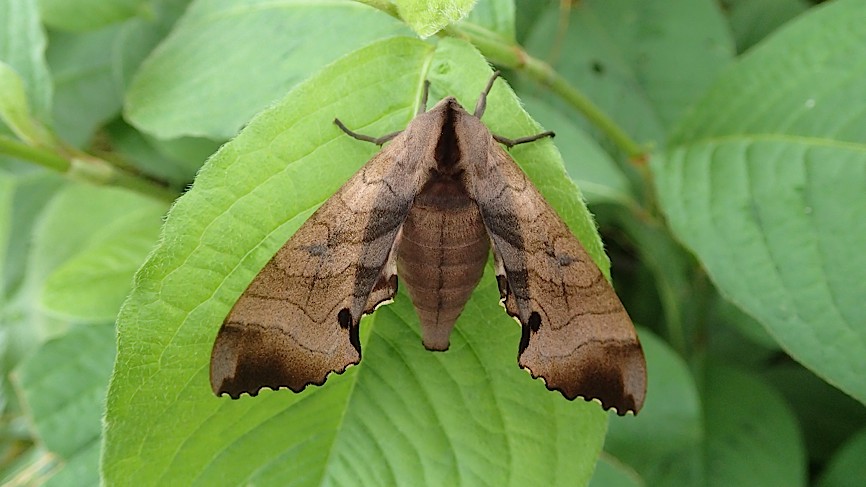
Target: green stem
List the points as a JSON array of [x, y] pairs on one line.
[[85, 168], [42, 157]]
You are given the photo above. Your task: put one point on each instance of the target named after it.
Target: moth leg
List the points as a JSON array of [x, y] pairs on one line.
[[422, 107], [386, 285], [366, 138], [522, 140], [482, 98]]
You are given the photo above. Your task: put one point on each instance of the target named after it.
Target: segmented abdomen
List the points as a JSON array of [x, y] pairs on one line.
[[441, 256]]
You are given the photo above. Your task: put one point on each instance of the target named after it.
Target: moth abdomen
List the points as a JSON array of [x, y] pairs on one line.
[[441, 257]]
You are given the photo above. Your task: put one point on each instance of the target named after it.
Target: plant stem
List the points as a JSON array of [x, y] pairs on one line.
[[86, 168], [42, 157]]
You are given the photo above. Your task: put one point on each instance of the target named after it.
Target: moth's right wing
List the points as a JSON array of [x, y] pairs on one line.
[[577, 335]]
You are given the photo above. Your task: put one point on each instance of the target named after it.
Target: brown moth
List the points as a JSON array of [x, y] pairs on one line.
[[428, 207]]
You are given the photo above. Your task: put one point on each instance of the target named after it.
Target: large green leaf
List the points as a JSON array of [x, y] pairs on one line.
[[751, 436], [744, 435], [7, 193], [23, 325], [495, 17], [159, 158], [22, 46], [224, 61], [847, 468], [78, 217], [812, 399], [140, 35], [85, 15], [752, 20], [610, 473], [15, 108], [106, 234], [765, 181], [670, 423], [644, 63], [404, 415], [88, 90], [63, 385]]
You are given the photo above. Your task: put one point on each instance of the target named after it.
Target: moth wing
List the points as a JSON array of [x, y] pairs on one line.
[[298, 320], [577, 335]]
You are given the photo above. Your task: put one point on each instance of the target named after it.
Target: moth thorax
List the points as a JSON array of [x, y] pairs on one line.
[[447, 152]]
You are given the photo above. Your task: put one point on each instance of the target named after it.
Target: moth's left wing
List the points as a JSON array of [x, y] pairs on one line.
[[298, 320], [576, 334]]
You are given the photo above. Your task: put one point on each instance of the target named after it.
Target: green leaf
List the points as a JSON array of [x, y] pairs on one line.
[[14, 108], [735, 337], [404, 415], [670, 423], [87, 15], [140, 35], [787, 86], [812, 399], [106, 233], [80, 470], [212, 73], [724, 314], [158, 158], [63, 386], [847, 468], [753, 20], [671, 272], [23, 324], [7, 192], [627, 56], [429, 17], [71, 221], [587, 164], [495, 16], [610, 473], [25, 197], [88, 91], [751, 436], [764, 182], [740, 432], [22, 46], [527, 13]]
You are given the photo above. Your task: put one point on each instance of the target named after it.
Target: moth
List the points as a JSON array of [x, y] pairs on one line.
[[428, 208]]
